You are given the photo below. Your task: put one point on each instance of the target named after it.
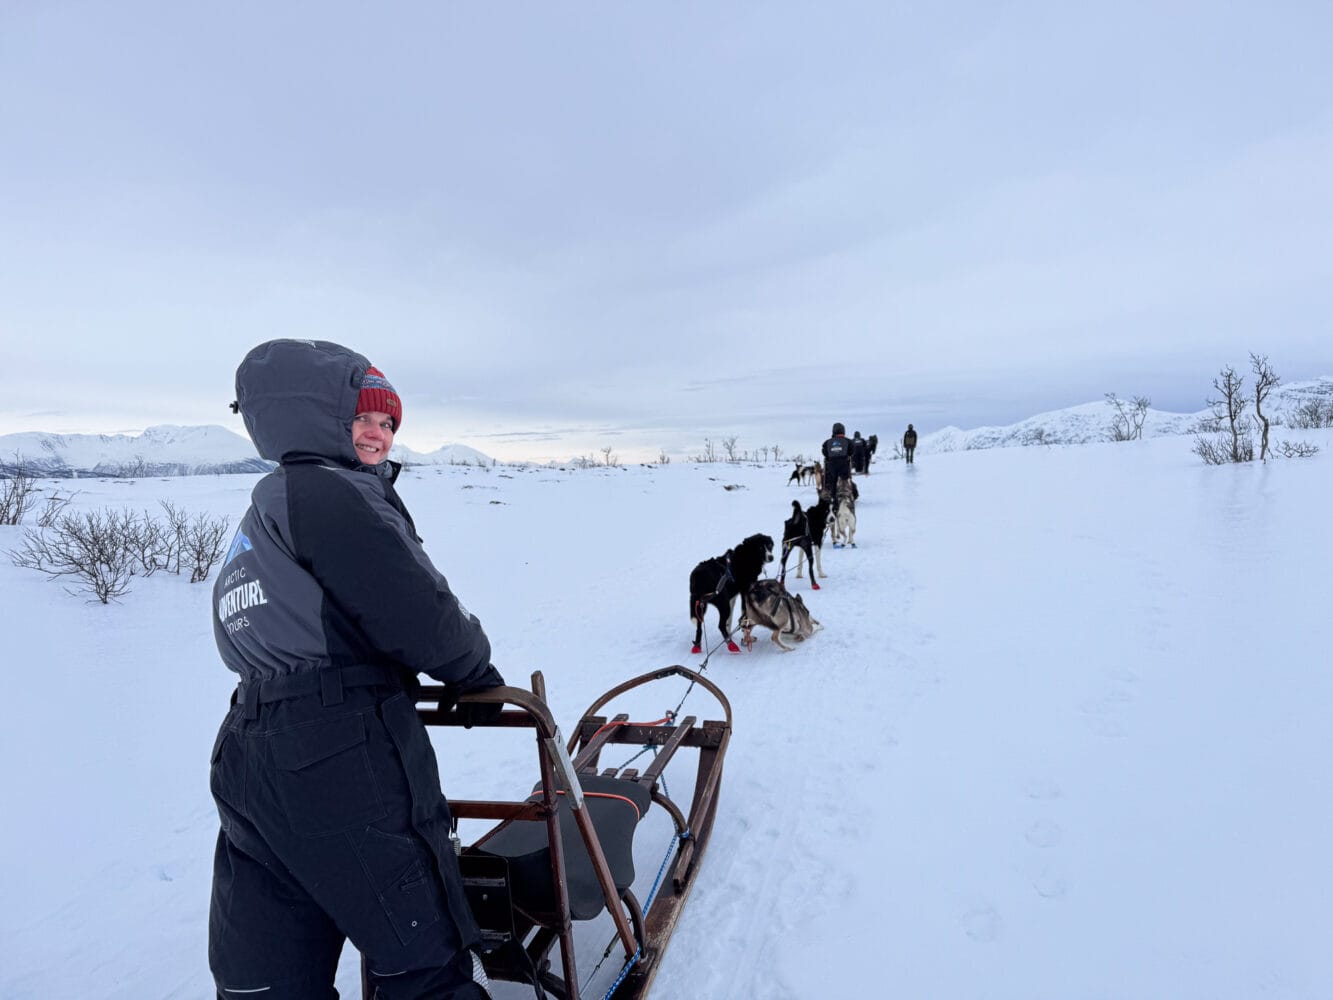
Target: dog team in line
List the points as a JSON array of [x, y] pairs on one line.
[[719, 581]]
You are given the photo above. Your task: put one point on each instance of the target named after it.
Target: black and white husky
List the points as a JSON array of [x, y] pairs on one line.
[[720, 580], [816, 520]]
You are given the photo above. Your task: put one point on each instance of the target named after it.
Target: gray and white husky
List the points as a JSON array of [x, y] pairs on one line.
[[843, 522], [768, 603]]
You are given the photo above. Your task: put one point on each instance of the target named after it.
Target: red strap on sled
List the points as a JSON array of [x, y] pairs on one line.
[[606, 795]]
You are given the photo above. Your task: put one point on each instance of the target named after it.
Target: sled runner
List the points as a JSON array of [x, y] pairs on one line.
[[565, 853]]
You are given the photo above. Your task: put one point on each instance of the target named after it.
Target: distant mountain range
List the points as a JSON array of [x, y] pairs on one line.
[[169, 450]]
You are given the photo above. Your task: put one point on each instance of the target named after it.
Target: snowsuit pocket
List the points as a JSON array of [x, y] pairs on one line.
[[323, 776], [403, 876]]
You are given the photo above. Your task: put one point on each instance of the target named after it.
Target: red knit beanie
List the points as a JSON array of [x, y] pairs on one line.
[[378, 396]]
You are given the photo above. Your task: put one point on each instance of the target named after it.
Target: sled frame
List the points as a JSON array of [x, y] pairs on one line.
[[526, 956]]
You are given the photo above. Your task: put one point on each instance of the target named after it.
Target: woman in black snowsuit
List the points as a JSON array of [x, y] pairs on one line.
[[334, 826]]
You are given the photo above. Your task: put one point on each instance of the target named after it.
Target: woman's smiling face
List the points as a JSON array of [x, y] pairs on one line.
[[372, 436]]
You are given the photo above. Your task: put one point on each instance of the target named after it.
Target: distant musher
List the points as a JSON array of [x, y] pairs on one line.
[[909, 442], [837, 459]]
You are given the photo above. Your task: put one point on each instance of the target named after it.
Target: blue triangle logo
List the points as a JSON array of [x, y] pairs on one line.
[[239, 544]]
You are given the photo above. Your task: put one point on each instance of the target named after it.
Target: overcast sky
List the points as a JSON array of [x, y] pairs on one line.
[[559, 226]]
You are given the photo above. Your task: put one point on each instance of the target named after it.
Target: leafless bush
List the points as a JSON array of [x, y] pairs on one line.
[[173, 534], [17, 494], [203, 545], [103, 550], [151, 543], [729, 446], [662, 457], [610, 459], [88, 547], [1297, 449], [1219, 449], [1127, 423], [777, 454], [53, 507], [1311, 414]]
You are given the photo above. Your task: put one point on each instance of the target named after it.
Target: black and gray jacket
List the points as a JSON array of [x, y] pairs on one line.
[[326, 568]]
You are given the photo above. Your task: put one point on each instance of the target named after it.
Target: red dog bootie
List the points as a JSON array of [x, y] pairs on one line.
[[732, 647]]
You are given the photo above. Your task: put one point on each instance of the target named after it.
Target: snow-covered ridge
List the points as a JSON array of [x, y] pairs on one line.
[[168, 450], [1089, 422]]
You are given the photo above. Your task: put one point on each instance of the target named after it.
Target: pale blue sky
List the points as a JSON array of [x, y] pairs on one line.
[[557, 226]]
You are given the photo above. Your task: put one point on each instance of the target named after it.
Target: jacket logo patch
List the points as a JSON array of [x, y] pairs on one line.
[[239, 544]]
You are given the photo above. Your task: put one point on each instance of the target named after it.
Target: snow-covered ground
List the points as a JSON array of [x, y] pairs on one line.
[[1064, 734]]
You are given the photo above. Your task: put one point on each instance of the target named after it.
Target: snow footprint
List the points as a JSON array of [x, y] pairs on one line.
[[1043, 833], [981, 923]]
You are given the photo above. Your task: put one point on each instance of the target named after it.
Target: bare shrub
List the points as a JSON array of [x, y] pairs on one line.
[[662, 457], [729, 446], [173, 534], [151, 543], [1127, 422], [1229, 408], [1297, 449], [53, 508], [17, 494], [610, 459], [204, 545], [777, 454], [88, 547], [1311, 414]]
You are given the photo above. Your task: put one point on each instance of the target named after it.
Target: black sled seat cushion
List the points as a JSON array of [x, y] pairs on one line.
[[615, 806]]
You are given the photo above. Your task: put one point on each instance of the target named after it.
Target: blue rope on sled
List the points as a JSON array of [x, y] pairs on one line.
[[652, 893]]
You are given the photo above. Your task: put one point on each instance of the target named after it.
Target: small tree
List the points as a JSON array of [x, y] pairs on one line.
[[729, 445], [609, 457], [777, 453], [662, 457], [1229, 407], [1127, 421], [1265, 379]]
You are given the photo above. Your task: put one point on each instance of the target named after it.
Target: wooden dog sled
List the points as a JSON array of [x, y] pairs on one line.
[[564, 854]]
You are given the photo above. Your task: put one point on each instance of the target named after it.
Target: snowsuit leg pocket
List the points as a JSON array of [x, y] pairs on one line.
[[402, 875], [323, 776]]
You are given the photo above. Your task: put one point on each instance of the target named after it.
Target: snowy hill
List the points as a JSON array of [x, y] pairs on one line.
[[169, 450], [1090, 422], [165, 450], [449, 454]]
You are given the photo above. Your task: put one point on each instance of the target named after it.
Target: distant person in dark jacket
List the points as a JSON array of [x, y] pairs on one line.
[[837, 459], [872, 444], [909, 442], [860, 452], [327, 607]]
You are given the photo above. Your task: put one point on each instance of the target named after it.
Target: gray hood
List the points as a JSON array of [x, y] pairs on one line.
[[298, 398]]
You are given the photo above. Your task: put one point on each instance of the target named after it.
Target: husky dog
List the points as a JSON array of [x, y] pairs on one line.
[[797, 535], [768, 603], [803, 474], [816, 520], [720, 580], [844, 513]]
